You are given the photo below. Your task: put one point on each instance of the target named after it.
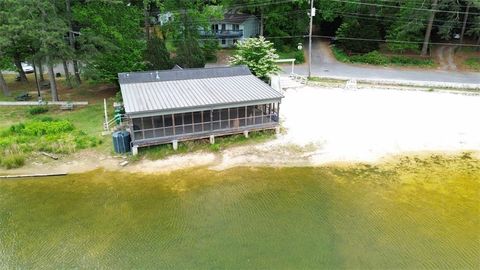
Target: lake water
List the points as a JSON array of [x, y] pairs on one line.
[[411, 213]]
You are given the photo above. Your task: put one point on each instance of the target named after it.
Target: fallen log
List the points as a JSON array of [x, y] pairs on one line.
[[33, 175], [49, 155]]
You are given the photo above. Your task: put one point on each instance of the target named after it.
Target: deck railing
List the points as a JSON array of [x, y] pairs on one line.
[[205, 127]]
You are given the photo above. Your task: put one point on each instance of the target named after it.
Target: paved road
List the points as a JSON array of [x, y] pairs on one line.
[[324, 64]]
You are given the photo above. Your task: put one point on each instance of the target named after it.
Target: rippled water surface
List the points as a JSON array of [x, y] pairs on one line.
[[411, 213]]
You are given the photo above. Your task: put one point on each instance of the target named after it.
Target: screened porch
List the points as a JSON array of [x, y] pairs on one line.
[[199, 124]]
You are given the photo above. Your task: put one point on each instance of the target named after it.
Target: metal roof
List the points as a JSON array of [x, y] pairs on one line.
[[181, 74], [192, 89]]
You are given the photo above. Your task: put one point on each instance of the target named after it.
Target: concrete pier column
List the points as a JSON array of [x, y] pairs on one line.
[[134, 150], [175, 145], [212, 139], [277, 130], [245, 133]]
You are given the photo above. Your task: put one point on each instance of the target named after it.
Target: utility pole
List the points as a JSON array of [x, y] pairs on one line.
[[312, 13]]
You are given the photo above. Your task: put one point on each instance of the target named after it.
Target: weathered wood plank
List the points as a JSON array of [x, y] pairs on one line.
[[32, 175]]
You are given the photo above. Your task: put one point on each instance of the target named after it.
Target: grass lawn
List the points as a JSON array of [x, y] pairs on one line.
[[86, 121], [473, 63]]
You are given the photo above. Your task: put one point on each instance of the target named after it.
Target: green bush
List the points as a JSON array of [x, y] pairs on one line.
[[374, 58], [299, 57], [13, 161], [46, 134], [37, 110], [410, 61], [340, 55]]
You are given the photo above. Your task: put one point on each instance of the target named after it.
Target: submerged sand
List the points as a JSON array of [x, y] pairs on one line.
[[328, 125]]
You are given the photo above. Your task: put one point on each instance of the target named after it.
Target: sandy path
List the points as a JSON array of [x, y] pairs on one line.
[[446, 57], [325, 125]]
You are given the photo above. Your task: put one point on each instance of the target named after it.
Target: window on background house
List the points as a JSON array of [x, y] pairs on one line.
[[224, 41], [236, 27]]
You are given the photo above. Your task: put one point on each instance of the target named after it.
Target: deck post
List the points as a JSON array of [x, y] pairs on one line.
[[277, 130], [212, 139], [245, 133], [135, 150], [175, 144]]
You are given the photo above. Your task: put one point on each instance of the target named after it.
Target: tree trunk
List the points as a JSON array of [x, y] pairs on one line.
[[261, 22], [51, 77], [429, 29], [77, 72], [67, 74], [145, 19], [18, 64], [4, 86], [465, 22], [40, 70], [71, 41]]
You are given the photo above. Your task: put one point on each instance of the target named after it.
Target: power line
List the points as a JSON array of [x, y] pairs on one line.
[[403, 7], [398, 41], [353, 38]]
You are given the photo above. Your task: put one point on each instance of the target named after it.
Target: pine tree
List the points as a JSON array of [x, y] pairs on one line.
[[156, 56], [190, 54]]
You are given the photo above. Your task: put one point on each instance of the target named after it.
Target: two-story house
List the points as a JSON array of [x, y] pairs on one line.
[[234, 27]]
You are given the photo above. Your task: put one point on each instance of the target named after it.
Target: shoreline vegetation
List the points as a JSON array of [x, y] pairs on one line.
[[83, 148], [379, 59]]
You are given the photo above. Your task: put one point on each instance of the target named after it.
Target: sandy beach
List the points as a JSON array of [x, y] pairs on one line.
[[324, 125]]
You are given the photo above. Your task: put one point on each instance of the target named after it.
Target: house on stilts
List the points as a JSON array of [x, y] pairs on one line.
[[186, 104]]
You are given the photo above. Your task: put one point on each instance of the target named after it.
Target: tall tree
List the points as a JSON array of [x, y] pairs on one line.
[[71, 42], [189, 18], [156, 55], [3, 64], [52, 27], [428, 32], [110, 38]]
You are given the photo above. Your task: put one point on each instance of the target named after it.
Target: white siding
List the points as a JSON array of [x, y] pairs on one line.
[[250, 27]]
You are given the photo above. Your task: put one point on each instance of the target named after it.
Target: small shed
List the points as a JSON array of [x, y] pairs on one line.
[[187, 104]]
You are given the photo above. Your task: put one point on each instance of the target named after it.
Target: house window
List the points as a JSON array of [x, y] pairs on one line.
[[235, 41], [236, 27], [224, 41], [224, 27]]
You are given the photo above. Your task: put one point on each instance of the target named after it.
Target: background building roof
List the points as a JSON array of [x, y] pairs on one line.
[[171, 91]]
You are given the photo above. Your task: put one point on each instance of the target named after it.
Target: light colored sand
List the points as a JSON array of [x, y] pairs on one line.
[[325, 125]]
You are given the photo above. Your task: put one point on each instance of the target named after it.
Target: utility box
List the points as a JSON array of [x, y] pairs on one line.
[[121, 141]]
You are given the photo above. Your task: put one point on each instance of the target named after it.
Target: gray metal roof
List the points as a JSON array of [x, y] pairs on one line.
[[192, 89], [181, 74]]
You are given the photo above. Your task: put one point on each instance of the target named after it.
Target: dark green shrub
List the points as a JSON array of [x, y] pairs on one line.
[[299, 57], [118, 97], [340, 55], [374, 58], [410, 61], [37, 110]]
